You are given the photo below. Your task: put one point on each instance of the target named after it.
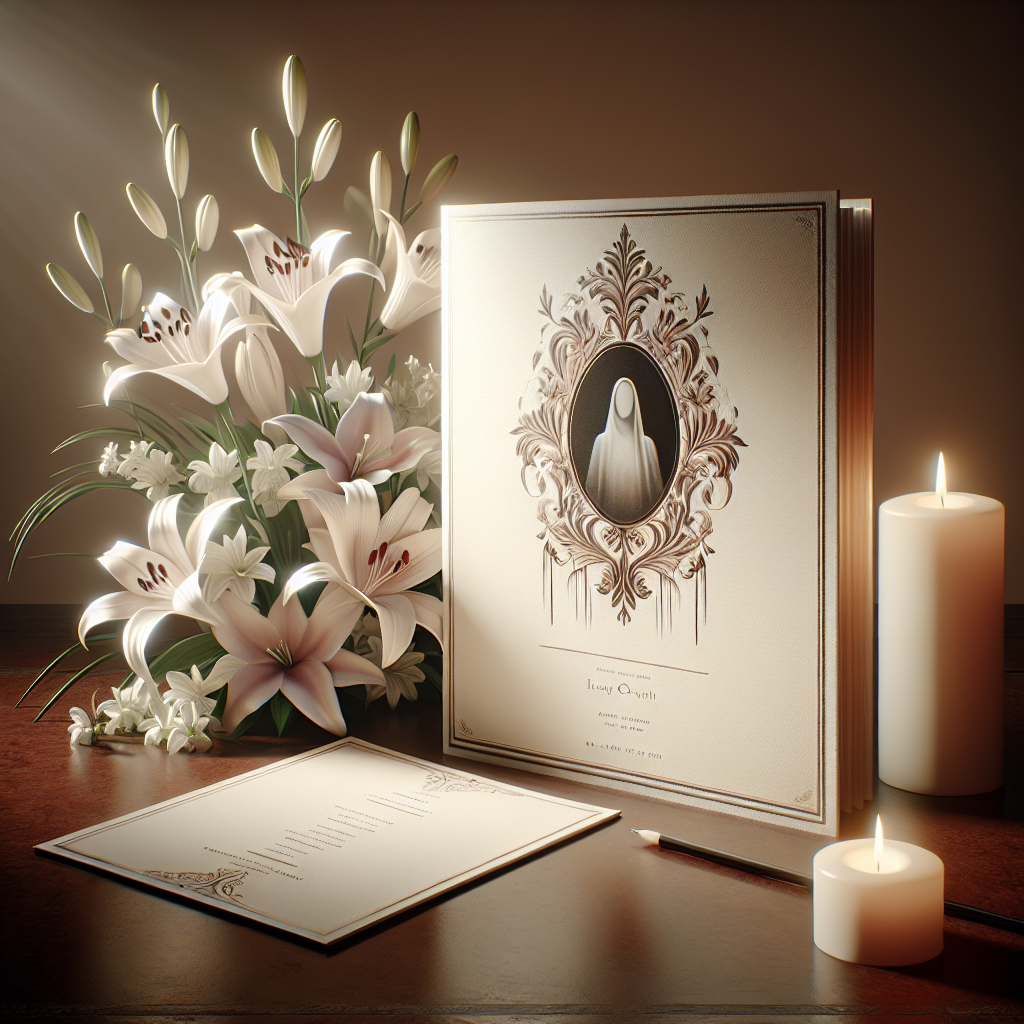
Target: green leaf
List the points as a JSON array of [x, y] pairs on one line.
[[281, 709], [372, 346], [351, 336], [432, 674], [60, 657], [65, 554], [201, 650], [81, 674], [391, 367], [193, 252], [87, 435]]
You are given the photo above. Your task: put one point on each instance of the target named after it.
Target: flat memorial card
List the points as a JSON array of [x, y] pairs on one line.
[[640, 515], [329, 842]]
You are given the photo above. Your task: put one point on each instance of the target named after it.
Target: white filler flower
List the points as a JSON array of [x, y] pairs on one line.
[[228, 566], [216, 478], [344, 387], [270, 473]]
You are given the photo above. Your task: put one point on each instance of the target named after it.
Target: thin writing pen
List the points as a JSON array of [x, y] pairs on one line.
[[757, 867]]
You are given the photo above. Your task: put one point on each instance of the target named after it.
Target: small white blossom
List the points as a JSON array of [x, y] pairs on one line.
[[400, 677], [270, 473], [414, 395], [164, 726], [81, 728], [344, 387], [129, 706], [194, 689], [151, 471], [228, 566], [109, 460], [216, 478], [193, 725]]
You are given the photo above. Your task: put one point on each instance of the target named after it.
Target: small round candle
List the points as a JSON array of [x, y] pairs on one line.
[[878, 904], [940, 642]]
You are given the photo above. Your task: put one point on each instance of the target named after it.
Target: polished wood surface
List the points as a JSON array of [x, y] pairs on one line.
[[598, 928]]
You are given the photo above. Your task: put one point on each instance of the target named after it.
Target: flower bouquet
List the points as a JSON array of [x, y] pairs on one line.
[[299, 538]]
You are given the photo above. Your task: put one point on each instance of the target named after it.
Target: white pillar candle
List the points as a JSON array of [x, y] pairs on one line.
[[881, 910], [940, 642]]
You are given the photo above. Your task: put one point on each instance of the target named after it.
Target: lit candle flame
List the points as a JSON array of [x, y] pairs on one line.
[[878, 844], [940, 480]]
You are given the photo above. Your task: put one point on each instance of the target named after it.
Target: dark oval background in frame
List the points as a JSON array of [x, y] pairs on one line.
[[589, 412]]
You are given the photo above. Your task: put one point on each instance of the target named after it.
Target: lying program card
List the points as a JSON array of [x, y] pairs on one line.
[[331, 841]]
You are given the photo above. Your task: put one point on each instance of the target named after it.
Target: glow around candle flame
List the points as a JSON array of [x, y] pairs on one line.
[[940, 480], [878, 841]]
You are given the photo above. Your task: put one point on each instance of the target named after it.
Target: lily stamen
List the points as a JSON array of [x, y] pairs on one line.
[[281, 653]]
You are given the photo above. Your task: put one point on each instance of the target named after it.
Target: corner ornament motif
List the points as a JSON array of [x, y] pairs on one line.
[[625, 320]]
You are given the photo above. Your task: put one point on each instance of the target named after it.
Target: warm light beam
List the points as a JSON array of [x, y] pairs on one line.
[[940, 480], [878, 842]]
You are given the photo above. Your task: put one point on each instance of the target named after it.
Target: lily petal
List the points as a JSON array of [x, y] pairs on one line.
[[163, 531], [203, 526], [310, 688], [109, 607], [428, 612], [348, 669], [136, 634], [243, 632], [250, 688], [397, 625], [317, 442]]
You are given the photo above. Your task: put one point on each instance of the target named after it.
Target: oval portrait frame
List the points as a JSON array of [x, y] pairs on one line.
[[625, 301]]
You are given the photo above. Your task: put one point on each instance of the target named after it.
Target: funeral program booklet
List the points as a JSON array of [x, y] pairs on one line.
[[647, 477], [331, 841]]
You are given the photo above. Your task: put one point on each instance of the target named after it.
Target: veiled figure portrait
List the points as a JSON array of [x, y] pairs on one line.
[[624, 479]]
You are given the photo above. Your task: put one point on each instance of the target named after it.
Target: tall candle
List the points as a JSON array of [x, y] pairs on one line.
[[940, 642]]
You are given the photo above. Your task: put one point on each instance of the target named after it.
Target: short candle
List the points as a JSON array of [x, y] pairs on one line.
[[878, 902]]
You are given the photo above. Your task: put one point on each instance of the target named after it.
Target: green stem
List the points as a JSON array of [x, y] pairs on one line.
[[298, 201], [185, 263], [366, 326], [225, 411], [401, 209], [106, 302]]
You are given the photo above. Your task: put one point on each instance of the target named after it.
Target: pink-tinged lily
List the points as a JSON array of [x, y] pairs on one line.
[[375, 561], [175, 345], [416, 288], [365, 445], [303, 658], [293, 283], [152, 577]]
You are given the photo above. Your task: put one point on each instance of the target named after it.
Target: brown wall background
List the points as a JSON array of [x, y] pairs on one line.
[[917, 105]]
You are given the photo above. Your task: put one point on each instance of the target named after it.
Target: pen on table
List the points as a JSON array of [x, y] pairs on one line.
[[757, 867]]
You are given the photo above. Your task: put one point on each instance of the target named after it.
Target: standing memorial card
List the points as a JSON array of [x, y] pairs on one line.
[[657, 497]]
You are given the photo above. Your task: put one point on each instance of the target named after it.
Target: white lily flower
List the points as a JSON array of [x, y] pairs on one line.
[[326, 149], [171, 345], [194, 688], [344, 387], [194, 725], [294, 91], [400, 677], [414, 395], [216, 478], [207, 222], [380, 190], [152, 578], [109, 460], [164, 726], [375, 560], [270, 473], [147, 210], [260, 377], [229, 566], [303, 658], [151, 471], [176, 159], [416, 289], [81, 729], [129, 706], [296, 281]]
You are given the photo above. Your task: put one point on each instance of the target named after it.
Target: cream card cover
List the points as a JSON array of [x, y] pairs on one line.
[[329, 842], [640, 496]]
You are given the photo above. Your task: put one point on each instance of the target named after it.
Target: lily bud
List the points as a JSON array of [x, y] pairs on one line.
[[207, 221], [147, 210], [260, 377], [161, 107], [69, 287], [326, 149], [266, 159], [131, 291], [380, 190], [293, 87], [438, 177], [410, 141], [176, 159], [89, 244]]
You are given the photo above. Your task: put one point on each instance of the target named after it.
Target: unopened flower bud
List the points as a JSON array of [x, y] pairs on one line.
[[146, 209], [89, 243], [176, 159], [410, 142], [438, 177], [326, 149], [293, 88], [161, 107], [131, 291], [207, 221], [266, 159], [260, 377], [380, 189], [69, 287]]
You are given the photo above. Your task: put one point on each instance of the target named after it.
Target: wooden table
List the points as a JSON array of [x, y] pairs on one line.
[[597, 928]]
